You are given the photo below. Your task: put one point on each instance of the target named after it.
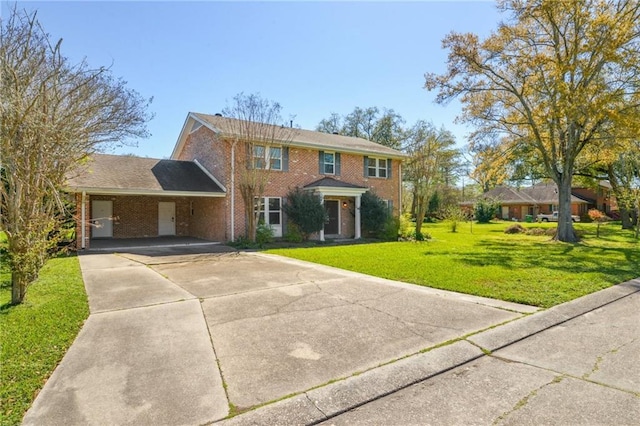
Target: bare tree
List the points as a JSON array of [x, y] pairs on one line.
[[257, 130], [53, 114]]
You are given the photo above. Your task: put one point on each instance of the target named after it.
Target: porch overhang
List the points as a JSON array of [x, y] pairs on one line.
[[143, 192]]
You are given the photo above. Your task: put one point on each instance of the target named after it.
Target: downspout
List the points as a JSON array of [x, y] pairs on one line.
[[399, 188], [83, 220], [233, 191]]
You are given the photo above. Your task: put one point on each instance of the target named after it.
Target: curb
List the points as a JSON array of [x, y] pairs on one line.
[[323, 403]]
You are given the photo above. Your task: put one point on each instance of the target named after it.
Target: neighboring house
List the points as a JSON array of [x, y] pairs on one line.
[[517, 203], [196, 192]]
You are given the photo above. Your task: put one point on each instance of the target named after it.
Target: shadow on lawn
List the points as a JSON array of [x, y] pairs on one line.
[[578, 258]]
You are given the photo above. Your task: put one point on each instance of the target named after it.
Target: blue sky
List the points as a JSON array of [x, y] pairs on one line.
[[313, 58]]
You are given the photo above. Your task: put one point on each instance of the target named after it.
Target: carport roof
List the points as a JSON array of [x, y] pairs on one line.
[[128, 175]]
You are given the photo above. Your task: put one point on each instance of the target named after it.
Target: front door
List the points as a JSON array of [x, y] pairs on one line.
[[101, 218], [166, 218], [333, 210]]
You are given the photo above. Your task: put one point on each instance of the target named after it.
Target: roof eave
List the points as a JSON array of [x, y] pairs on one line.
[[149, 192]]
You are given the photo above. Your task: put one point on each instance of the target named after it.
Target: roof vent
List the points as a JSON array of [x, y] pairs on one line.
[[217, 114]]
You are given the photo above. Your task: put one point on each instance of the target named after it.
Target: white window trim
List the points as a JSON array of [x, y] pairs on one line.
[[267, 157], [324, 163], [378, 168]]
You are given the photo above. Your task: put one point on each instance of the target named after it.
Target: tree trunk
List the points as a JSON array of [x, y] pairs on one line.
[[18, 287], [565, 231], [625, 217]]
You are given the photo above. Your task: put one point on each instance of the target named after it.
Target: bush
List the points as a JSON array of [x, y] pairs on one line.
[[264, 234], [374, 214], [304, 209], [485, 210], [391, 229], [453, 215], [293, 234], [538, 231], [406, 229]]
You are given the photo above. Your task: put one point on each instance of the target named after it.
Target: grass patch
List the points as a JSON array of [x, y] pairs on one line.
[[523, 268], [35, 335]]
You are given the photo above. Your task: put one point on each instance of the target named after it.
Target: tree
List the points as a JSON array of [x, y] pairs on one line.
[[374, 214], [624, 176], [432, 158], [367, 123], [557, 78], [305, 209], [257, 131], [53, 114]]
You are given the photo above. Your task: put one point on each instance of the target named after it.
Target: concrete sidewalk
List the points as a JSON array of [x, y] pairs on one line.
[[182, 337]]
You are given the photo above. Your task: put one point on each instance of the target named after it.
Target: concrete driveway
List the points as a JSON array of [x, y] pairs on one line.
[[190, 336]]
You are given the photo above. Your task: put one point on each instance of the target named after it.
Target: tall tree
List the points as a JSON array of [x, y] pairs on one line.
[[557, 77], [259, 142], [433, 157], [386, 128], [624, 176], [53, 114]]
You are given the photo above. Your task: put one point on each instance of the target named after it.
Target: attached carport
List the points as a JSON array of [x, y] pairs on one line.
[[125, 197]]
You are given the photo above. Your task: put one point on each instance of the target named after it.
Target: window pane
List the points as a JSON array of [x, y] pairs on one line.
[[258, 151], [371, 172], [329, 158], [328, 169], [274, 203], [372, 162], [274, 218], [382, 172], [275, 164]]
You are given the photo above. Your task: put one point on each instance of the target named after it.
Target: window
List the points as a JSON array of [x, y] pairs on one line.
[[270, 210], [267, 157], [377, 167], [329, 163]]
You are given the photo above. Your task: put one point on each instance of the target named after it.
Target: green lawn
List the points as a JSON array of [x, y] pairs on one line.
[[35, 335], [487, 262]]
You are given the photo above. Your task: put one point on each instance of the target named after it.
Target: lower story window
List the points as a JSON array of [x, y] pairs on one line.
[[270, 209]]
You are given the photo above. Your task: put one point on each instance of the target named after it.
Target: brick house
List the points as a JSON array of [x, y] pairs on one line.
[[517, 203], [196, 192]]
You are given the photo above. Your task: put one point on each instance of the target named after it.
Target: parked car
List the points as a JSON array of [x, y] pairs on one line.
[[554, 217]]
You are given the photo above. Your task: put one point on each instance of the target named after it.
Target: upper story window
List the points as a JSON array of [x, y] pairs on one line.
[[329, 163], [377, 167], [267, 157]]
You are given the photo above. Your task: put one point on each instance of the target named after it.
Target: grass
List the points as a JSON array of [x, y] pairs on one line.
[[487, 262], [35, 335]]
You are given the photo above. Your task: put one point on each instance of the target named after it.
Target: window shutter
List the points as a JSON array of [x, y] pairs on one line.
[[366, 164], [321, 162], [285, 159], [390, 205], [388, 168], [337, 164]]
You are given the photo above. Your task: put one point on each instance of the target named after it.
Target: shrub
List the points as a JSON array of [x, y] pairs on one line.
[[485, 210], [453, 215], [598, 217], [537, 231], [293, 234], [391, 229], [264, 234], [374, 214], [304, 209], [406, 229]]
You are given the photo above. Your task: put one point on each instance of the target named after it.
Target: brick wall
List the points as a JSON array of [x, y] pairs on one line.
[[215, 155]]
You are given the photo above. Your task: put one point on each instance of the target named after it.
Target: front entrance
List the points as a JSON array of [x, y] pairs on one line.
[[166, 218], [101, 218], [333, 210]]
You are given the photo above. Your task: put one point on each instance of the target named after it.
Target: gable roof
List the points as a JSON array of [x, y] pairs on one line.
[[224, 126], [542, 193], [121, 174]]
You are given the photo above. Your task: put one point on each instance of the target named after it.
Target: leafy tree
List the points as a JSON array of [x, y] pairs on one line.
[[432, 158], [453, 215], [624, 176], [306, 211], [385, 128], [598, 217], [53, 115], [557, 78], [485, 210], [258, 140], [374, 214]]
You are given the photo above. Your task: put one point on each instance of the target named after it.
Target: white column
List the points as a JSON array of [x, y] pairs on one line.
[[83, 218], [358, 234], [322, 230]]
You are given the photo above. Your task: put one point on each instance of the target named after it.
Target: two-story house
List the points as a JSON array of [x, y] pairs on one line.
[[196, 192]]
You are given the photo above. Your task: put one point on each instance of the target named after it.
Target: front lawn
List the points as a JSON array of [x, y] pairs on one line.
[[35, 335], [487, 262]]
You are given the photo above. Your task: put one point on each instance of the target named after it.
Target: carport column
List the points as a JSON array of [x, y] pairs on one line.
[[358, 233], [321, 202], [83, 218]]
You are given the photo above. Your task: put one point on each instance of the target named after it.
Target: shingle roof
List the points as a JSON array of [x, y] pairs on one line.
[[542, 193], [130, 174], [332, 183], [308, 138]]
